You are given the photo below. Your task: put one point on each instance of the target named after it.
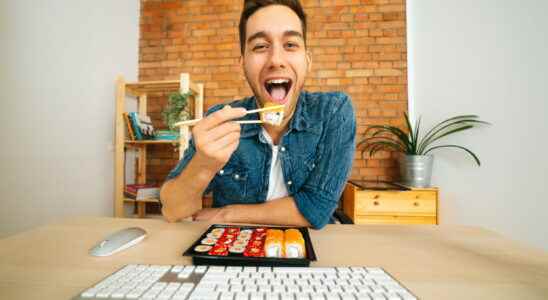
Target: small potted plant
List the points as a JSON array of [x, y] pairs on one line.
[[176, 109], [415, 146]]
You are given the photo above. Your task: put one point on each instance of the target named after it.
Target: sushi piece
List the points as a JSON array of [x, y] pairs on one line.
[[209, 241], [274, 243], [237, 249], [274, 116], [254, 252], [242, 243], [202, 248], [294, 246], [246, 232], [233, 230], [219, 250], [216, 233]]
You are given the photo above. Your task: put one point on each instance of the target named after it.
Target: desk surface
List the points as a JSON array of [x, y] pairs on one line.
[[435, 262]]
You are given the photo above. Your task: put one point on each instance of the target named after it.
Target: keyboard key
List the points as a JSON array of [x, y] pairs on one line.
[[227, 296], [204, 296], [272, 296], [177, 269], [317, 296], [241, 296], [256, 296]]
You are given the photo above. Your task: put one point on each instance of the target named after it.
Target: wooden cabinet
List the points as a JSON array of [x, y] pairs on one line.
[[416, 206], [139, 90]]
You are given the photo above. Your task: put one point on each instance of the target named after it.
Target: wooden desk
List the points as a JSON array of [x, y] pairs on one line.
[[435, 262]]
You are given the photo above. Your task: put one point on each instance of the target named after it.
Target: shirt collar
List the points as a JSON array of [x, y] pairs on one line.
[[299, 122]]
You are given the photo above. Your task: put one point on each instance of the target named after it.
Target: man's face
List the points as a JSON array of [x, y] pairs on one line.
[[275, 61]]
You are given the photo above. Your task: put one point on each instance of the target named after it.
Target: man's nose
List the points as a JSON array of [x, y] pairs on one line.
[[277, 59]]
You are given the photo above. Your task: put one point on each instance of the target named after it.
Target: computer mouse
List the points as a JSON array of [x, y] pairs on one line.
[[118, 241]]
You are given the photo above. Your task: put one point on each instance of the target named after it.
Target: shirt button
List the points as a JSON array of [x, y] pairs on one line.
[[283, 149], [236, 176], [222, 172], [289, 182]]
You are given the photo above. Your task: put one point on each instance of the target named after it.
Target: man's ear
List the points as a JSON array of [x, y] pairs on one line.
[[308, 61]]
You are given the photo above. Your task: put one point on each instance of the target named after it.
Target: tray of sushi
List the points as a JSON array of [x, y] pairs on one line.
[[252, 246]]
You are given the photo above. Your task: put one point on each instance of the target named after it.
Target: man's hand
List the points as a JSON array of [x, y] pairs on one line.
[[217, 137], [213, 215]]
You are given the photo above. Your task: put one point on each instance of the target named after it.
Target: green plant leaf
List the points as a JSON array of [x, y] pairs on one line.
[[398, 133], [439, 132], [412, 137], [440, 124], [176, 109], [416, 135], [382, 145], [456, 146], [381, 141], [446, 133]]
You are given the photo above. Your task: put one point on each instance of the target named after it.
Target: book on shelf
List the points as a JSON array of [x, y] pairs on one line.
[[129, 129], [142, 126], [142, 191], [166, 135]]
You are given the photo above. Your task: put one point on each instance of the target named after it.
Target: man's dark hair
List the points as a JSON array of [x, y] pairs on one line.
[[251, 6]]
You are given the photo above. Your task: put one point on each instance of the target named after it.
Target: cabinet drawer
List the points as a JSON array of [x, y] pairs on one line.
[[395, 220], [418, 203]]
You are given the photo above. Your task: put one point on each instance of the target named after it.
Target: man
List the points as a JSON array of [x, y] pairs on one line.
[[292, 174]]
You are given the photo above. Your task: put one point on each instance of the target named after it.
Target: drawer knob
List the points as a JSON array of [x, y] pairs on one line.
[[376, 197], [416, 203], [417, 196], [376, 203]]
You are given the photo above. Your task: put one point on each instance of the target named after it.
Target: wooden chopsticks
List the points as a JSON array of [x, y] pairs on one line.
[[193, 122]]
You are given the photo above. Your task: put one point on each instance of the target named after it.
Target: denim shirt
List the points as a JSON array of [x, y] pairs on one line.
[[316, 155]]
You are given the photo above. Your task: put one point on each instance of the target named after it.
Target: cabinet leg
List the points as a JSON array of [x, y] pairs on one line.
[[141, 209]]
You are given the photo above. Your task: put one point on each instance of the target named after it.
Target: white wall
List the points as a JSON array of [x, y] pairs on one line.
[[58, 63], [486, 57]]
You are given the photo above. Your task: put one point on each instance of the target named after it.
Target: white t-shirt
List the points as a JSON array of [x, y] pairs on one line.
[[276, 183]]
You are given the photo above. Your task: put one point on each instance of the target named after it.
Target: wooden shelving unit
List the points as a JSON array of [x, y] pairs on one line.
[[140, 90]]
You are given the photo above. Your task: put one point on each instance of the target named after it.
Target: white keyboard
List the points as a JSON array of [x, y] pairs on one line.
[[247, 283]]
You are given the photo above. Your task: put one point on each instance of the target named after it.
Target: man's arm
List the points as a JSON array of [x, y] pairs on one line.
[[216, 137], [182, 196], [281, 211]]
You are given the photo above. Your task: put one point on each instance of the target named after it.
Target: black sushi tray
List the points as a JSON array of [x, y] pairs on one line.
[[238, 259]]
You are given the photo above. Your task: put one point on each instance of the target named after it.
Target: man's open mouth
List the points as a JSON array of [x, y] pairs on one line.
[[278, 89]]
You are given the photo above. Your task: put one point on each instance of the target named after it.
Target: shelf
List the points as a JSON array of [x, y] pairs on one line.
[[150, 200], [151, 142], [139, 90], [144, 87]]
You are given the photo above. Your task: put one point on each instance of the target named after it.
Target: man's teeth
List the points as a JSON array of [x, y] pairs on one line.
[[277, 81]]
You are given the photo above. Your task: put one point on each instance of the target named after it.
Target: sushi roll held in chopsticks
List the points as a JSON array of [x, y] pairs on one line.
[[273, 246], [274, 116], [294, 246]]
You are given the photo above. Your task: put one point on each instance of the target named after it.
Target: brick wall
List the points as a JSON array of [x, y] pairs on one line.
[[357, 46]]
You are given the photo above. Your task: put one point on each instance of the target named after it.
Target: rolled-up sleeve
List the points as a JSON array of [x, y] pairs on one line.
[[319, 196], [183, 162], [189, 154]]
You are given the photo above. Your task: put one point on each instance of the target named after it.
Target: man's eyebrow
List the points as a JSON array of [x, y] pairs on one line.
[[293, 33], [262, 34], [257, 35]]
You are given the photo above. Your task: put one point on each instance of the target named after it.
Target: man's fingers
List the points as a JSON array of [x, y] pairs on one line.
[[205, 138], [228, 150], [225, 141], [225, 114]]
